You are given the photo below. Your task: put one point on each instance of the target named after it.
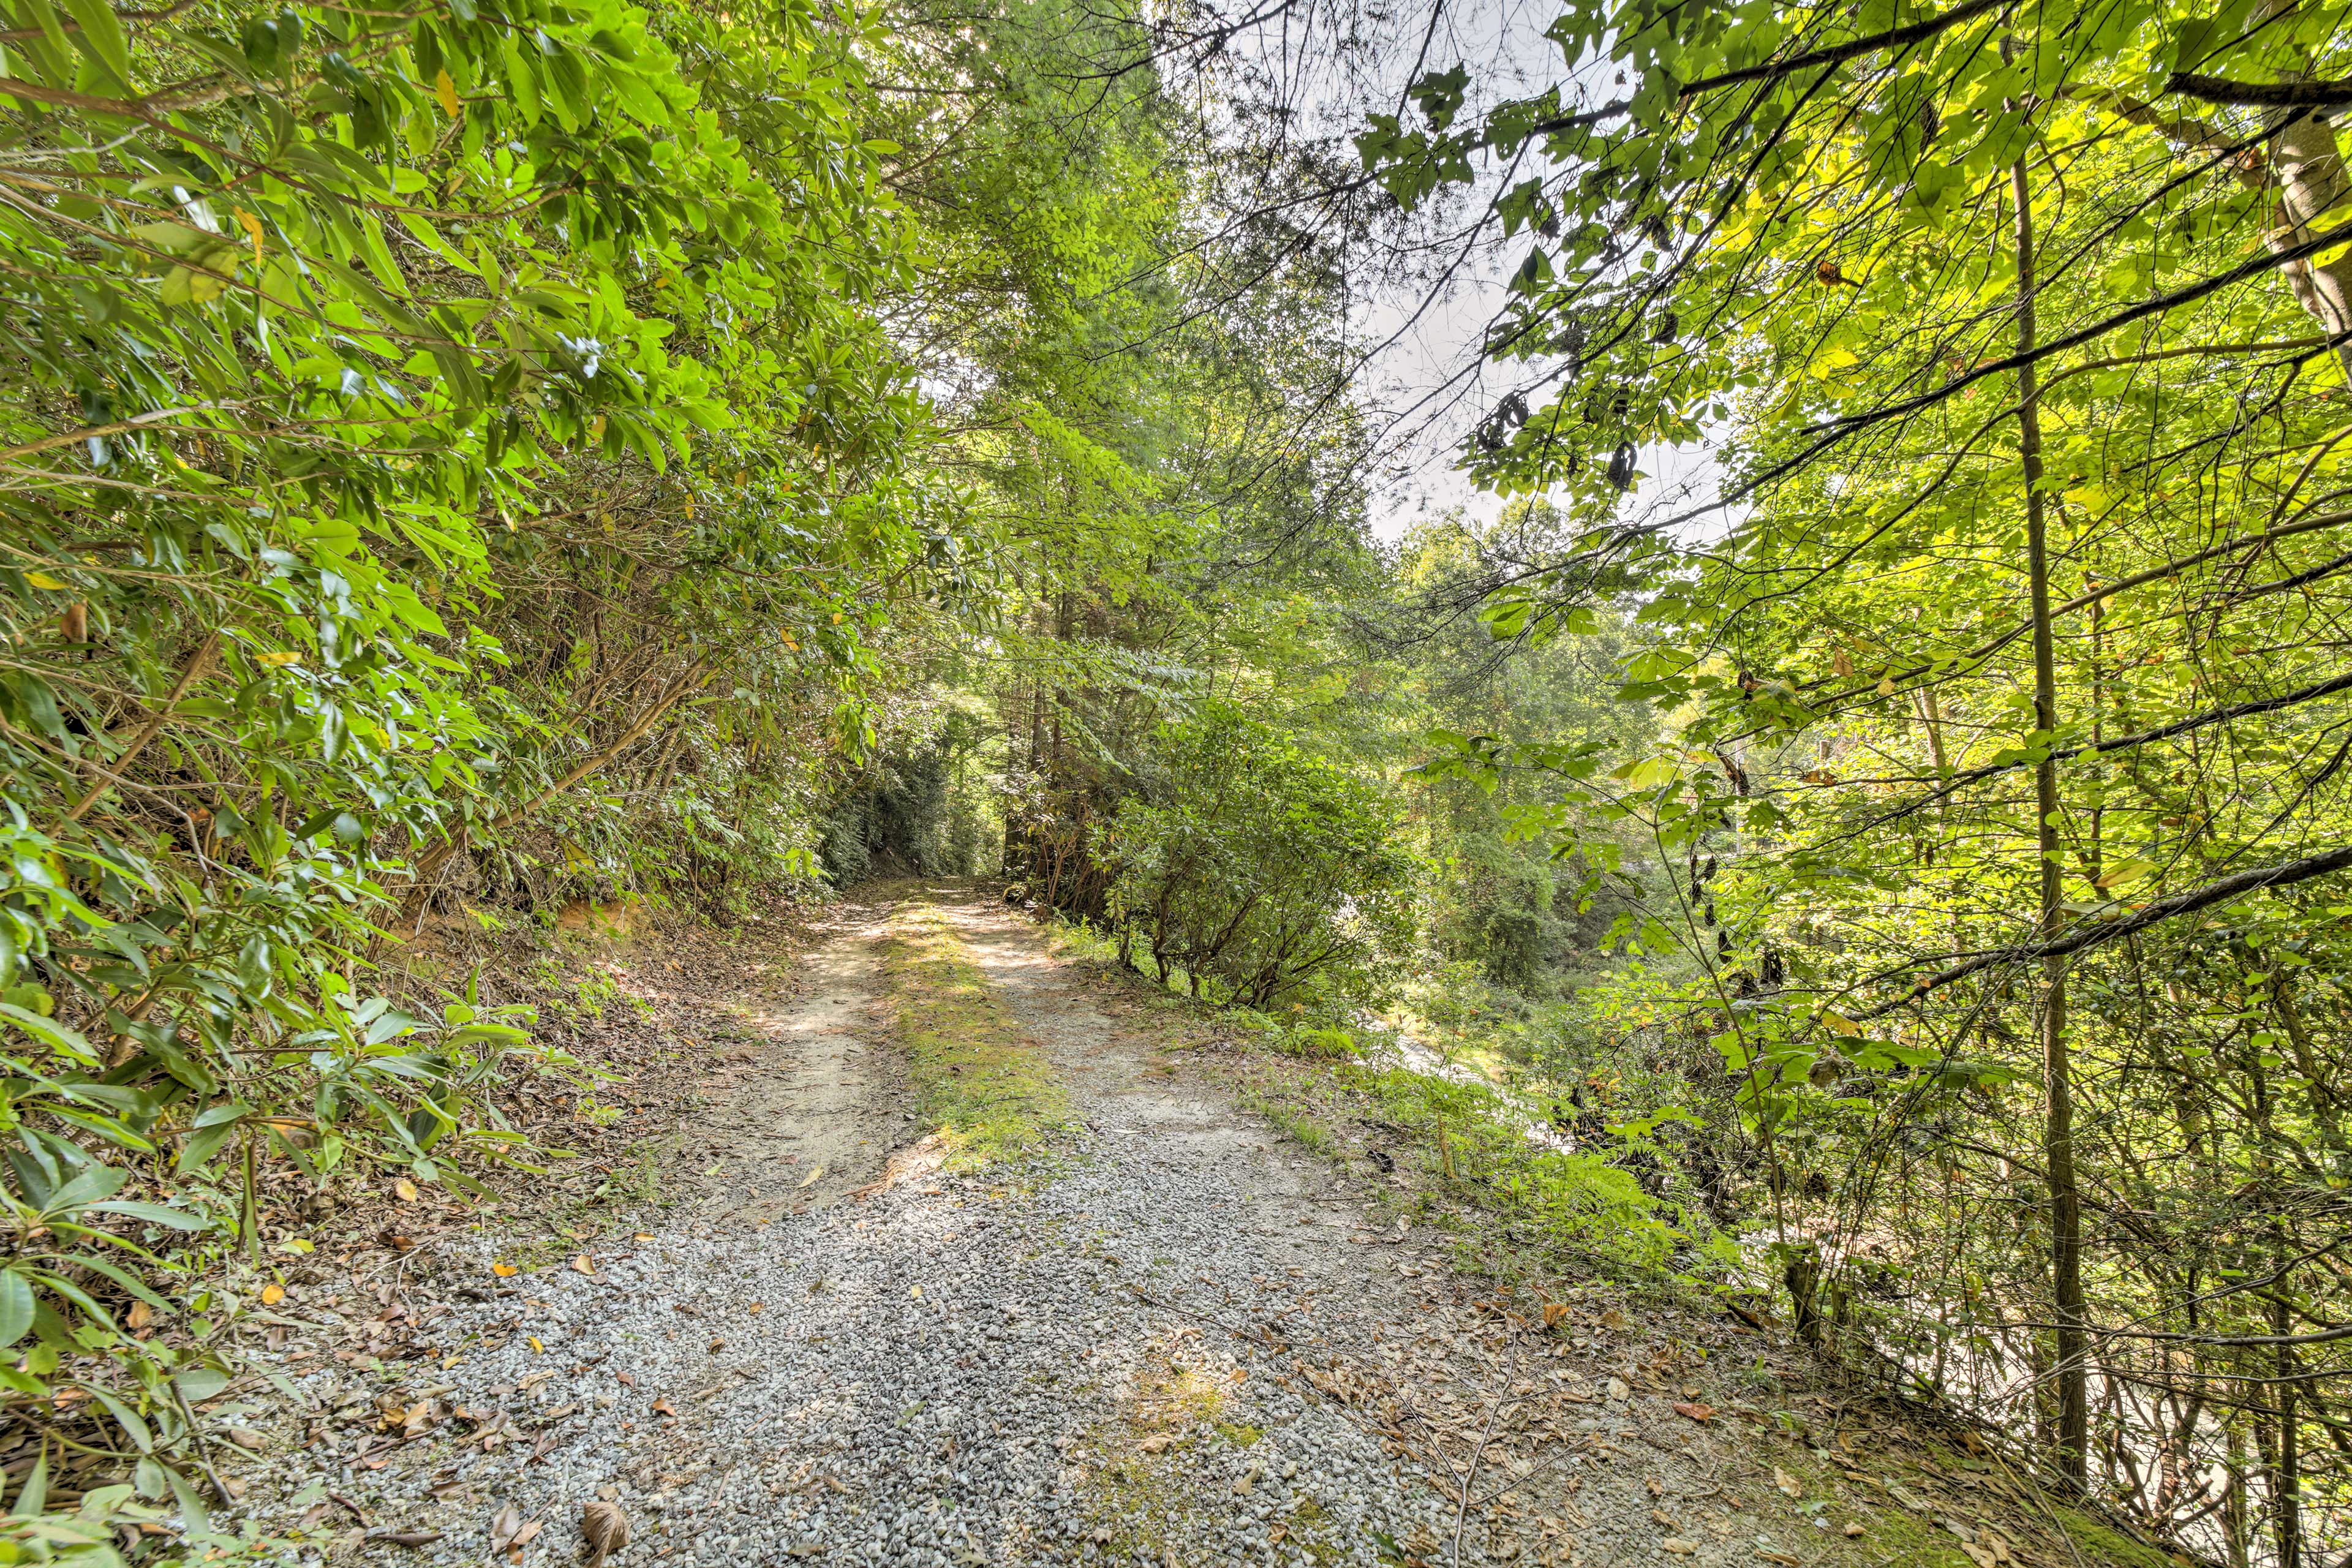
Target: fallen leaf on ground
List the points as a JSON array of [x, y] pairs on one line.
[[1678, 1546], [813, 1175], [1787, 1482], [1782, 1558], [270, 1295], [1851, 1529], [1695, 1412], [915, 1291], [536, 1348], [406, 1189], [407, 1537], [1660, 1516], [1157, 1443], [505, 1525], [624, 1380], [1613, 1318], [585, 1264], [605, 1529], [1617, 1389], [505, 1270], [662, 1407]]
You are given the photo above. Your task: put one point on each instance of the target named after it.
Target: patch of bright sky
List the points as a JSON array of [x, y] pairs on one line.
[[1422, 380]]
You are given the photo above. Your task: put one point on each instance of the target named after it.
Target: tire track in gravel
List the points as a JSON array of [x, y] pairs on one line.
[[1182, 1345]]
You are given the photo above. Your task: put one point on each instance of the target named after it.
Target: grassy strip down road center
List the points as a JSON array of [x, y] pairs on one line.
[[983, 1084]]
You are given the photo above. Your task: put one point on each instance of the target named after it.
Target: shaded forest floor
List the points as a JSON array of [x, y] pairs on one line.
[[772, 1315]]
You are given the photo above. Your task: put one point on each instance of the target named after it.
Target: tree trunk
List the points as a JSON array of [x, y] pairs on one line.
[[2072, 1439]]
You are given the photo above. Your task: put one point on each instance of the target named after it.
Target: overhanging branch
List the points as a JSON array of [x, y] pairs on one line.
[[2214, 892]]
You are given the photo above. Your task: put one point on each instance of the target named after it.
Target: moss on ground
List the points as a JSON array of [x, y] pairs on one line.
[[983, 1084]]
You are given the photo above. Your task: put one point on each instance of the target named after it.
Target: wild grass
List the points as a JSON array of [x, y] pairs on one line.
[[984, 1085]]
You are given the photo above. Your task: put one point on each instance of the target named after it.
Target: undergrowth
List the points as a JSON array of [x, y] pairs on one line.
[[982, 1083]]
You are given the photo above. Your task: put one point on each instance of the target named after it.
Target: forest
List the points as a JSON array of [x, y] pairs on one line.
[[468, 457]]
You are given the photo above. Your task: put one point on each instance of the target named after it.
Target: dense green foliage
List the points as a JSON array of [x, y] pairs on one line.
[[464, 458], [1996, 848], [1258, 867], [368, 372]]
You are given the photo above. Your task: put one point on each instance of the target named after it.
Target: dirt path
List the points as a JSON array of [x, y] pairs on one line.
[[1187, 1343]]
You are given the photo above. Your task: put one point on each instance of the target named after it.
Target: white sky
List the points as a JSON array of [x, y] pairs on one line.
[[1427, 379]]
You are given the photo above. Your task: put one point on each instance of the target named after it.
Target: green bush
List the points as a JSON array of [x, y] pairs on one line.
[[1257, 868]]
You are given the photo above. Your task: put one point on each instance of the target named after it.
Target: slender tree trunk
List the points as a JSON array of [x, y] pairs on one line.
[[2073, 1435]]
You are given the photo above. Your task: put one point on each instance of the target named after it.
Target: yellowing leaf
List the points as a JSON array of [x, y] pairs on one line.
[[272, 1294], [505, 1270], [1840, 1024], [2129, 871], [446, 88], [813, 1175], [252, 227], [277, 660], [405, 1190], [1886, 686], [43, 580], [536, 1348], [915, 1291]]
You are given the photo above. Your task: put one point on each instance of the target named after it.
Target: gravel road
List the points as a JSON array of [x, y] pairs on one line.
[[1189, 1343]]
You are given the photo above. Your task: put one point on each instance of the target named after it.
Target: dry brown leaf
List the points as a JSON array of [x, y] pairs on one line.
[[505, 1525], [1782, 1558], [1660, 1516], [1613, 1318], [524, 1536], [1157, 1443], [1787, 1482], [605, 1529], [662, 1407], [1695, 1412], [1851, 1529], [584, 1264], [1678, 1546], [624, 1379]]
